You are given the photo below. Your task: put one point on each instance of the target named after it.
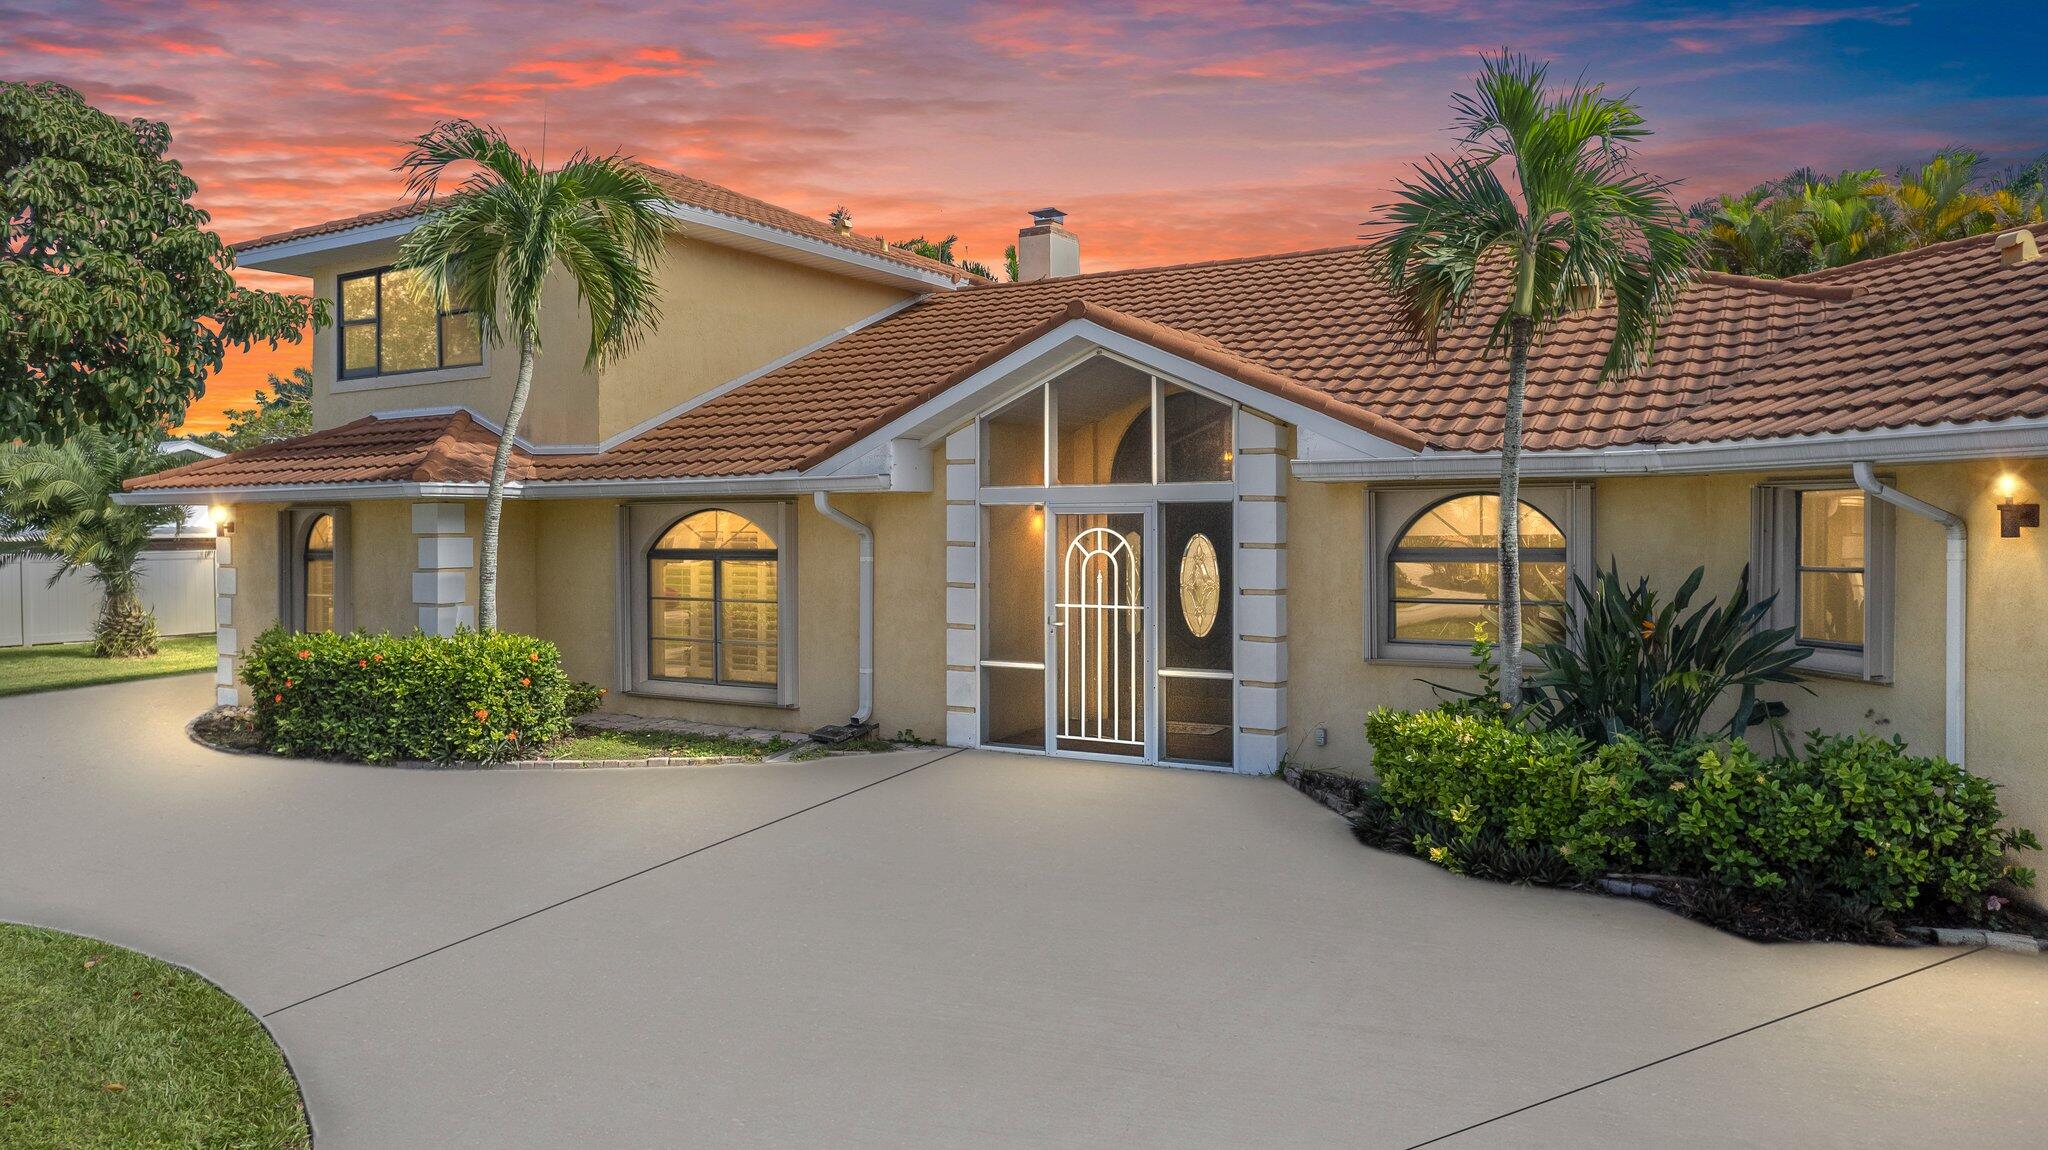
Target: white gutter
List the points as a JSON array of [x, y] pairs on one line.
[[1934, 444], [702, 487], [823, 500], [1954, 716]]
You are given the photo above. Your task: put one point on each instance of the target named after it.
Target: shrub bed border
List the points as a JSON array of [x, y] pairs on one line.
[[192, 731], [1341, 793]]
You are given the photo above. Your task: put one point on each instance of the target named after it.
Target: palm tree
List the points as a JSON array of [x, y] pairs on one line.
[[1579, 216], [1940, 201], [1754, 234], [509, 226], [57, 498], [1840, 218]]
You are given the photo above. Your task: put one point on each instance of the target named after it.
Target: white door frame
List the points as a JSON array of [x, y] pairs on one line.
[[1056, 679]]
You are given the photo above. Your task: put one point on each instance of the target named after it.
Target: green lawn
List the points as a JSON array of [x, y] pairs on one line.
[[102, 1048], [659, 744], [24, 669]]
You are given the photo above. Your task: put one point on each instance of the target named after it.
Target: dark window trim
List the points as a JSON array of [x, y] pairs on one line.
[[376, 324], [717, 558], [1486, 555]]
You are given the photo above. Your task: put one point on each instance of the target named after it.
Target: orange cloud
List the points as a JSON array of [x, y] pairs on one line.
[[811, 38]]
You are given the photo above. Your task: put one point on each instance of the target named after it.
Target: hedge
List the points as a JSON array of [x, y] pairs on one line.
[[469, 697], [1853, 817]]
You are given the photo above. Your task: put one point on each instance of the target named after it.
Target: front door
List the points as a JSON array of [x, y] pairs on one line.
[[1100, 641]]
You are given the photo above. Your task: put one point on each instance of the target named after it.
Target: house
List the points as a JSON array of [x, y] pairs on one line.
[[1206, 515]]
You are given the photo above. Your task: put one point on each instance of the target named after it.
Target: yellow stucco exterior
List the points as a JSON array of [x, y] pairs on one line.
[[1662, 528], [728, 312], [724, 313]]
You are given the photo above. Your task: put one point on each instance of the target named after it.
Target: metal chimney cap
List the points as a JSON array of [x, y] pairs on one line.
[[1048, 216]]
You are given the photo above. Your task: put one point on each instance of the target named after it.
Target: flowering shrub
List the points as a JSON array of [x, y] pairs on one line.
[[470, 697], [1853, 818]]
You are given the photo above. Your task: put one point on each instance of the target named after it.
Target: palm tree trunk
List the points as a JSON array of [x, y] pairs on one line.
[[1510, 649], [494, 500], [125, 628]]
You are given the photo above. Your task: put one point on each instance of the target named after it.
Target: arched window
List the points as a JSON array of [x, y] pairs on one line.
[[1444, 572], [317, 575], [711, 611]]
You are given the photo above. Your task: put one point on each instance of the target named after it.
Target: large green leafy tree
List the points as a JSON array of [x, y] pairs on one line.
[[510, 225], [1541, 204], [282, 412], [58, 497], [118, 302]]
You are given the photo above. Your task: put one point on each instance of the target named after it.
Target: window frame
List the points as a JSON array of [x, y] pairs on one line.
[[1043, 389], [718, 558], [641, 526], [1775, 565], [1391, 510], [441, 369], [295, 526]]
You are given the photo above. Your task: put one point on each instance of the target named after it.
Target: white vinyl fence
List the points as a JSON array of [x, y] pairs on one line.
[[177, 585]]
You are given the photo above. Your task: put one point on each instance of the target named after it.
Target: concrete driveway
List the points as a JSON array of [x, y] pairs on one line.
[[955, 949]]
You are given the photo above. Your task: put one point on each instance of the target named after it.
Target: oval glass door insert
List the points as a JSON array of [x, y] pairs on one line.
[[1199, 585]]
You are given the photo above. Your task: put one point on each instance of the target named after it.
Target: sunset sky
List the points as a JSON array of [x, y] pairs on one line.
[[1169, 129]]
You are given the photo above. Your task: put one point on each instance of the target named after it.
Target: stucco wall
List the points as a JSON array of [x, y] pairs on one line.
[[562, 408], [1663, 527], [573, 592], [724, 312], [559, 581]]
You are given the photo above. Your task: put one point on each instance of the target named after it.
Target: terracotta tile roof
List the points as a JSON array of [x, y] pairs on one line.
[[1317, 322], [1944, 334], [449, 448], [683, 189]]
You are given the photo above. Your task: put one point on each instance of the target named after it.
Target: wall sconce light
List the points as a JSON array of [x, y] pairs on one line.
[[2013, 516], [223, 519]]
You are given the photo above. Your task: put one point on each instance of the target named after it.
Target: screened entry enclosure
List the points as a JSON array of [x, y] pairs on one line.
[[1106, 626]]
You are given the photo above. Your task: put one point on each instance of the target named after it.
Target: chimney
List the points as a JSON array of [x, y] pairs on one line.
[[842, 220], [2015, 247], [1047, 250]]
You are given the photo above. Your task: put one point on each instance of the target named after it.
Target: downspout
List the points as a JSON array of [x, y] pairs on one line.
[[1957, 603], [866, 609]]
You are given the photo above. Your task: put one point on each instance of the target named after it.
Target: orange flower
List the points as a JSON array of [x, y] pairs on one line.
[[379, 656], [525, 682], [482, 714], [287, 682], [362, 662], [512, 736], [305, 654], [533, 656], [277, 698]]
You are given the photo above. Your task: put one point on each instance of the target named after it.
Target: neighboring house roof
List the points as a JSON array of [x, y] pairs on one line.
[[684, 190], [1944, 334]]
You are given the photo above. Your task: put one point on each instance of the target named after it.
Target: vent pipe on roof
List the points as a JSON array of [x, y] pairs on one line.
[[2018, 247], [1047, 250], [1953, 715]]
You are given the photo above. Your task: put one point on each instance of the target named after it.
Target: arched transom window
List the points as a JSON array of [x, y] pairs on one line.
[[317, 575], [1444, 571], [711, 612]]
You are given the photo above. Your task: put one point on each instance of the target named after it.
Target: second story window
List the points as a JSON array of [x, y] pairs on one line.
[[390, 326]]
